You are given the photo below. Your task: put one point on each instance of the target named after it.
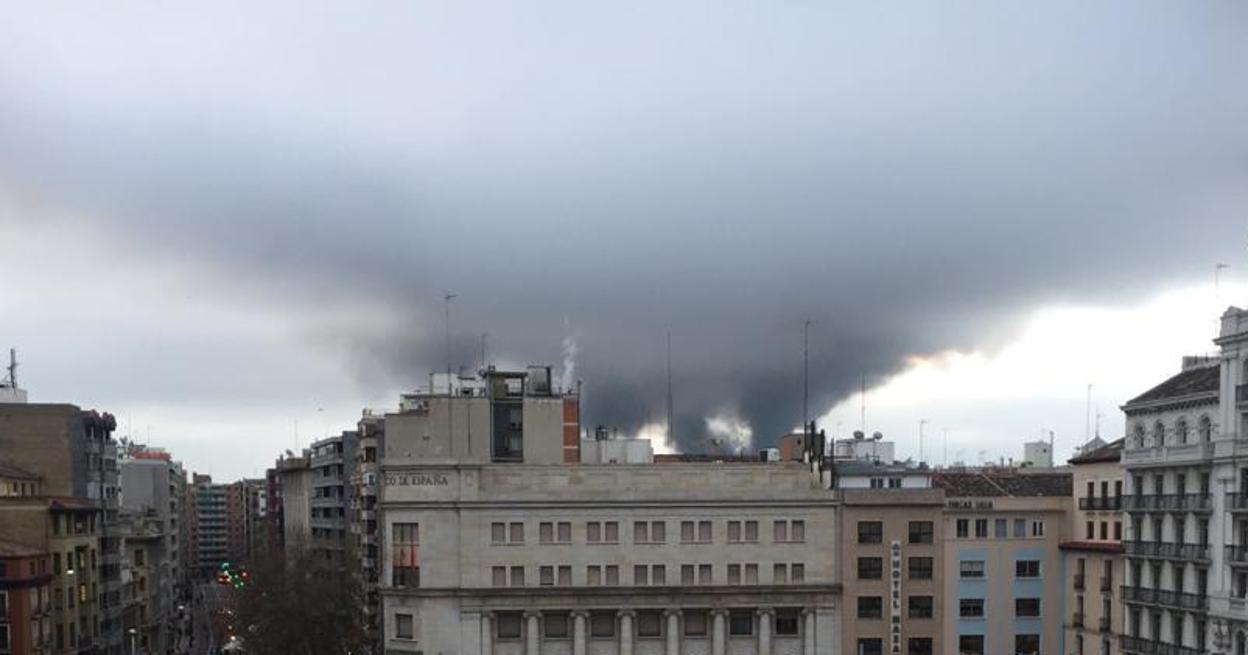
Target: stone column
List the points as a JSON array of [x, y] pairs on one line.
[[487, 633], [533, 634], [764, 631], [719, 632], [808, 631], [579, 632], [627, 631], [673, 631]]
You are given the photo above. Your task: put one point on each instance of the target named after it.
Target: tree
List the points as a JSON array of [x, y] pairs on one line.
[[298, 604]]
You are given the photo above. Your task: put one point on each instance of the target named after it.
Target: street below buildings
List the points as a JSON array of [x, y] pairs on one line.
[[209, 602]]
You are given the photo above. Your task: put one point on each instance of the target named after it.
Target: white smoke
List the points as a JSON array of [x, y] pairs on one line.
[[727, 433], [567, 378]]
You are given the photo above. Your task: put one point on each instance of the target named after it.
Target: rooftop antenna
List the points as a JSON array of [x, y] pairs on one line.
[[11, 380], [1217, 275], [484, 335], [863, 395], [806, 375], [447, 297], [922, 422], [1087, 425], [946, 448], [1098, 422], [670, 441]]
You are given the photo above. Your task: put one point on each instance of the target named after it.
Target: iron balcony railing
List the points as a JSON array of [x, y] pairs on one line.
[[1077, 620], [1107, 583], [1241, 393], [1237, 555], [1166, 550], [1105, 624], [1102, 503], [1141, 646], [1175, 599], [1237, 502], [1168, 503]]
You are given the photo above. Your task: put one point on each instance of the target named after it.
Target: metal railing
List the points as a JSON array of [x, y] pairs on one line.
[[1102, 503], [1237, 555], [1076, 620], [1104, 624], [1175, 599], [1236, 502], [1168, 502], [1166, 550], [1079, 580], [1107, 583], [1142, 646]]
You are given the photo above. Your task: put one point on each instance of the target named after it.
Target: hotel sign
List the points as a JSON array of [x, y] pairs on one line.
[[894, 593]]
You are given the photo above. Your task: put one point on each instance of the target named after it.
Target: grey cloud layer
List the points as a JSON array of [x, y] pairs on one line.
[[908, 177]]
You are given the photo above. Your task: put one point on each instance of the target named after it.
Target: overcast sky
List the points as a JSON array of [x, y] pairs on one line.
[[217, 221]]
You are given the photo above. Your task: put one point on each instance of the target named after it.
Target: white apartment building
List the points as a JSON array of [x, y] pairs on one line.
[[498, 541], [1186, 461]]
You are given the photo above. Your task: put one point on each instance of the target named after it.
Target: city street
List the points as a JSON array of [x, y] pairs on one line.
[[209, 600]]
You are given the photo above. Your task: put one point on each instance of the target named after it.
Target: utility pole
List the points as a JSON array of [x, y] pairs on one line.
[[806, 375]]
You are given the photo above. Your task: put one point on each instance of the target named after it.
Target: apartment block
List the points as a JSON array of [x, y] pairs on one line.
[[1004, 585], [1092, 554], [496, 541], [365, 486], [331, 463], [209, 529]]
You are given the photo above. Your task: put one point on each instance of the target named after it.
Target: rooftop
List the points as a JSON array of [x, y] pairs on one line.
[[1003, 483], [860, 467], [1110, 452], [1201, 380]]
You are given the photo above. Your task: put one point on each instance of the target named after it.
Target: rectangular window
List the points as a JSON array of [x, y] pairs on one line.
[[1117, 530], [786, 622], [981, 528], [780, 532], [971, 608], [565, 576], [1037, 528], [870, 607], [970, 645], [641, 574], [870, 568], [734, 531], [546, 576], [499, 576], [517, 533], [602, 625], [1027, 644], [704, 574], [921, 532], [593, 532], [612, 575], [611, 531], [1104, 530], [695, 623], [1027, 568], [1020, 528], [920, 607], [741, 623], [403, 627], [963, 528], [649, 623], [555, 626], [641, 532], [751, 574], [920, 646], [921, 568], [498, 533], [1089, 530], [797, 531], [871, 646], [704, 532], [780, 574], [564, 532], [870, 532], [751, 532], [797, 573], [517, 576], [1029, 607], [507, 625], [658, 574], [686, 532], [1001, 529], [971, 568], [546, 532], [686, 574], [658, 532], [593, 575]]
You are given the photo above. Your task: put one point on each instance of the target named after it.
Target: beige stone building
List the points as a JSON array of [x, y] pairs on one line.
[[495, 541], [890, 549], [1093, 561], [1003, 581]]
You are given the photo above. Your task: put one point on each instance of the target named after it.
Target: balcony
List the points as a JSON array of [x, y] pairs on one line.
[[1172, 599], [1104, 625], [1188, 453], [1241, 394], [1166, 550], [1141, 646], [1079, 580], [1237, 502], [1110, 503], [1076, 621], [1237, 555], [1168, 503], [1107, 583]]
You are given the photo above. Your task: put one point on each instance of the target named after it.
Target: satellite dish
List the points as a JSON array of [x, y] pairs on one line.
[[858, 434], [877, 436]]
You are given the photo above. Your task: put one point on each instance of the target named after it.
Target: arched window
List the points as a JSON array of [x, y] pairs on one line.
[[1139, 435], [1180, 431], [1159, 434], [1206, 429]]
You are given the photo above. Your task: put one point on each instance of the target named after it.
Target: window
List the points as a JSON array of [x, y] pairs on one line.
[[1037, 528], [920, 607], [641, 532], [1027, 568], [593, 532], [517, 576], [649, 623], [780, 533], [1090, 531], [751, 574], [734, 531], [546, 576], [507, 625], [602, 625], [686, 574], [797, 531], [920, 646], [971, 568], [871, 646], [740, 623], [751, 532], [870, 568], [971, 608], [1001, 529], [734, 574], [498, 533], [797, 573], [981, 528], [1206, 429], [894, 483], [921, 532], [1027, 644], [1117, 530], [403, 627], [786, 622], [612, 575], [686, 532], [555, 626], [704, 574], [870, 532], [406, 571], [870, 607], [516, 533], [564, 532], [1027, 607], [593, 575], [653, 532], [780, 574], [565, 576], [611, 532], [546, 532], [695, 623], [921, 568], [963, 528], [658, 574], [704, 532], [1180, 431]]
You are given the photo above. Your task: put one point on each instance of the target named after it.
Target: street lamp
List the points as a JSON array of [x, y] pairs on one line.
[[134, 635]]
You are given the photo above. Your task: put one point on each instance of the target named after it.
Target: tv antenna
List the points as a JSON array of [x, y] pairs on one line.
[[11, 379]]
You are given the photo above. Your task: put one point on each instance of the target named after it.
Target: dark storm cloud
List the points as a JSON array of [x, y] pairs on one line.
[[908, 178]]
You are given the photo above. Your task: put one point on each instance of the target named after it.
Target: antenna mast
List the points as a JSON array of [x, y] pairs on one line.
[[806, 376], [670, 430], [863, 396], [1087, 425], [12, 368]]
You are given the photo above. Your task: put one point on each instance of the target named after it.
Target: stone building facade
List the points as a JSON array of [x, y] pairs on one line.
[[1092, 555]]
